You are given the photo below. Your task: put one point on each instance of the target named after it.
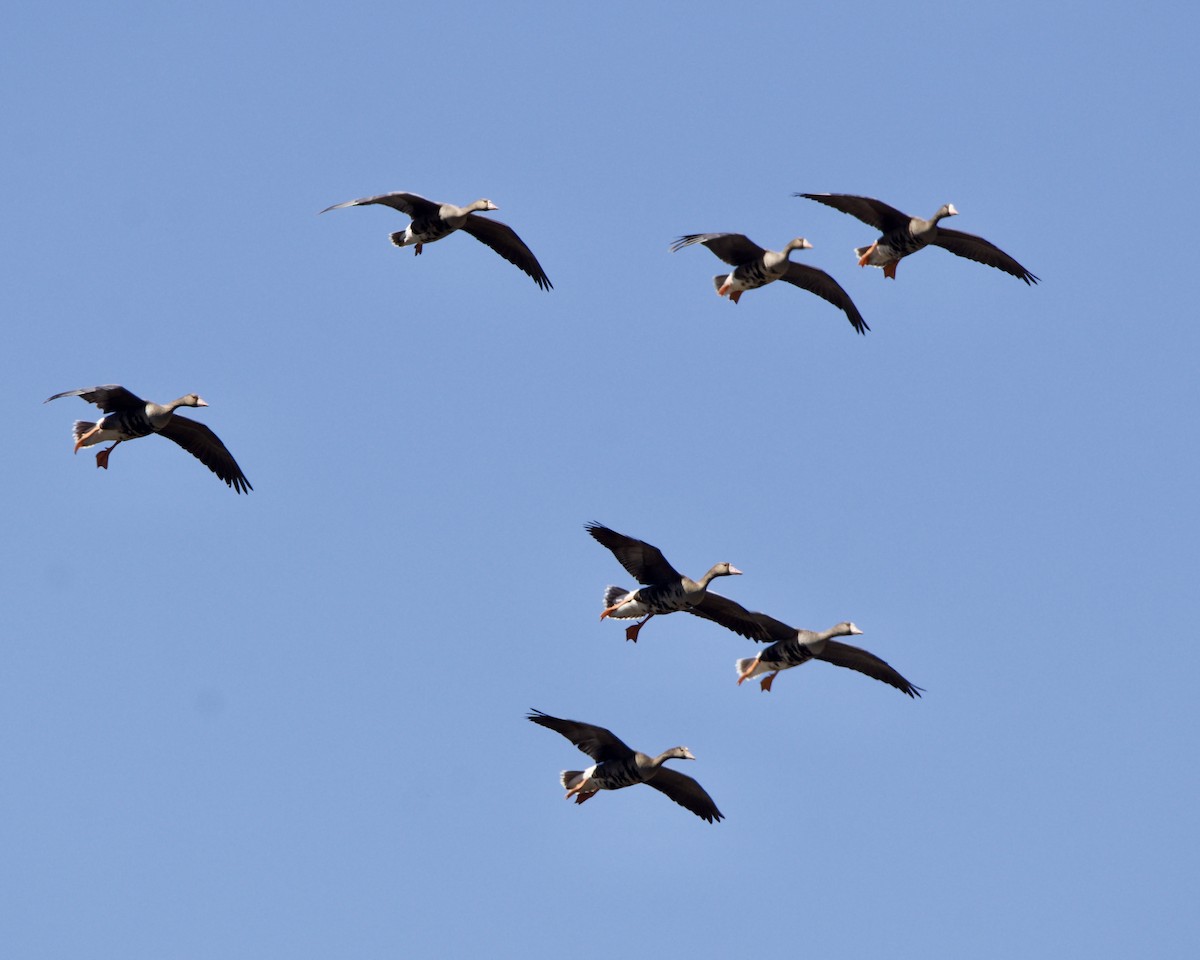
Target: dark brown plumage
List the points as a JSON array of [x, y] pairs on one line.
[[431, 221], [617, 766], [903, 235], [756, 267], [792, 646], [128, 416], [666, 590]]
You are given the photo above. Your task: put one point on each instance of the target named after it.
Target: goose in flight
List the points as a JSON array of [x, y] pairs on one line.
[[431, 221]]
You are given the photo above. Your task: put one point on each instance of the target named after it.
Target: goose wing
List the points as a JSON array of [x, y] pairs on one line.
[[855, 658], [731, 615], [504, 240], [981, 251], [645, 563], [774, 631], [869, 210], [598, 743], [824, 286], [733, 248], [411, 204], [686, 792], [109, 398], [206, 446]]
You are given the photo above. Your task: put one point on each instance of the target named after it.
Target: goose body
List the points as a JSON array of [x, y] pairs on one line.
[[903, 235], [665, 590], [793, 647], [755, 267], [618, 766], [432, 221], [128, 417]]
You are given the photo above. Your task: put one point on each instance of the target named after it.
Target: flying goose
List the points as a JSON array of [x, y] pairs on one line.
[[128, 417], [903, 235], [793, 646], [431, 221], [666, 590], [618, 766], [755, 267]]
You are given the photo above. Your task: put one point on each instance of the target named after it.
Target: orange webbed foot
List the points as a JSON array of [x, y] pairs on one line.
[[767, 681], [631, 633]]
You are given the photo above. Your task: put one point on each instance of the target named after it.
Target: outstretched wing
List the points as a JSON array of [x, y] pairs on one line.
[[824, 286], [855, 658], [596, 742], [981, 251], [731, 615], [415, 206], [733, 248], [869, 210], [109, 398], [504, 240], [775, 631], [686, 792], [644, 562], [206, 446]]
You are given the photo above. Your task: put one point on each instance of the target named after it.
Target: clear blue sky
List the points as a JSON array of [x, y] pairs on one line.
[[291, 724]]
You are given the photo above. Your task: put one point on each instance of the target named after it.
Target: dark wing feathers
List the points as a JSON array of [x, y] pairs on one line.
[[206, 446], [824, 286], [981, 251], [855, 658], [775, 631], [499, 236], [596, 742], [733, 248], [415, 206], [109, 398], [869, 210], [504, 240], [730, 615], [643, 562], [686, 792]]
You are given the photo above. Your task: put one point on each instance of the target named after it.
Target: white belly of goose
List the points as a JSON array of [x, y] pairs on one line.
[[630, 608]]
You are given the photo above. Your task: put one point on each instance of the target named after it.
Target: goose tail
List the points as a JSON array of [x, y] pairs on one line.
[[80, 430], [614, 595]]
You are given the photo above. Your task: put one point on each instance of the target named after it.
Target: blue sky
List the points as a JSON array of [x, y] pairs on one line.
[[292, 724]]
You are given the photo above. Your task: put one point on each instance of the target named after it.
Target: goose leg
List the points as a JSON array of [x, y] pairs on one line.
[[417, 249], [576, 791], [102, 456], [724, 289], [748, 672], [889, 270], [84, 439], [584, 797], [631, 633], [862, 261], [767, 681]]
